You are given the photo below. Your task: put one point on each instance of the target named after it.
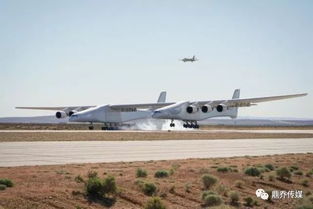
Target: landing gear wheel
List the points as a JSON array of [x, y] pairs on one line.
[[104, 128], [191, 124], [172, 124], [91, 127]]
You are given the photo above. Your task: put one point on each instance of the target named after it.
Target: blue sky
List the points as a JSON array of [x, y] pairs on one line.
[[56, 53]]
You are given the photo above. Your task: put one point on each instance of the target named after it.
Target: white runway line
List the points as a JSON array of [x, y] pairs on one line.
[[63, 152]]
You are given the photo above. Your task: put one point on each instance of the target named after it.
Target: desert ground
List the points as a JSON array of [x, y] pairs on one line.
[[56, 186], [64, 186], [146, 135]]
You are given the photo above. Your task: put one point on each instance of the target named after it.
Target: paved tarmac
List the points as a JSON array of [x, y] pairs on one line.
[[64, 152], [160, 131]]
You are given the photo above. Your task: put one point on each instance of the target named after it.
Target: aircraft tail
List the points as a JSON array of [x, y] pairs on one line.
[[234, 110], [162, 97], [236, 94]]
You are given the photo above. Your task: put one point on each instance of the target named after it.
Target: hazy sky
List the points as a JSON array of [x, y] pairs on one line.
[[80, 52]]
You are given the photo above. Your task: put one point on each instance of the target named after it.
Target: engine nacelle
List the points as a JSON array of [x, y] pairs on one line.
[[206, 108], [70, 113], [191, 109], [60, 114], [221, 107]]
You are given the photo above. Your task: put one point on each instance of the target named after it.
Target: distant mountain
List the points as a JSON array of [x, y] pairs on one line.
[[270, 118], [37, 119], [250, 121]]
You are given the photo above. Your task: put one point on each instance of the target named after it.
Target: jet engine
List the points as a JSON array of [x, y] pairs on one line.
[[221, 107], [60, 114], [191, 109], [206, 108]]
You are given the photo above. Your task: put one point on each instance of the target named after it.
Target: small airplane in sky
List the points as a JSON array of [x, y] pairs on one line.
[[112, 116], [186, 59]]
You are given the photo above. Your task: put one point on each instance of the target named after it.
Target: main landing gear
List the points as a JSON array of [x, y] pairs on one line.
[[187, 124], [191, 124], [110, 126], [91, 127], [106, 126]]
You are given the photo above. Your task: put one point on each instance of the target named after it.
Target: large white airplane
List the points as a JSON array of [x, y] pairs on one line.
[[188, 111]]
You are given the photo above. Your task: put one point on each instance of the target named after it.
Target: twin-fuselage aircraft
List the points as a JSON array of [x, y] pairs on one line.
[[112, 116]]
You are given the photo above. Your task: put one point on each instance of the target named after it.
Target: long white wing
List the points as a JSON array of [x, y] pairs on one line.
[[214, 103], [114, 107], [69, 108], [141, 106], [230, 102], [120, 107], [249, 101]]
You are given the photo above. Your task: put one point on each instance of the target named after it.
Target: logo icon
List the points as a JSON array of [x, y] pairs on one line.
[[261, 194]]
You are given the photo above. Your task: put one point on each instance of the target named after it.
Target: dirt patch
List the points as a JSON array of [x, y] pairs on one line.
[[145, 135], [55, 186]]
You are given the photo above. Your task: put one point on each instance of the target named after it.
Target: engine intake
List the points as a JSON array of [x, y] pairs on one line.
[[191, 109], [221, 107], [206, 108], [60, 114]]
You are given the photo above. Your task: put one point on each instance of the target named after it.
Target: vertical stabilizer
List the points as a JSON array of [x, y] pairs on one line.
[[162, 97], [236, 94], [234, 110]]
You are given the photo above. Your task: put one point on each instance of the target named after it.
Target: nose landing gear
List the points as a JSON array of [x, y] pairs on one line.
[[172, 124]]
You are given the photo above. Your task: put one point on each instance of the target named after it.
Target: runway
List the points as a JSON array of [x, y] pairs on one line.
[[64, 152], [160, 131]]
